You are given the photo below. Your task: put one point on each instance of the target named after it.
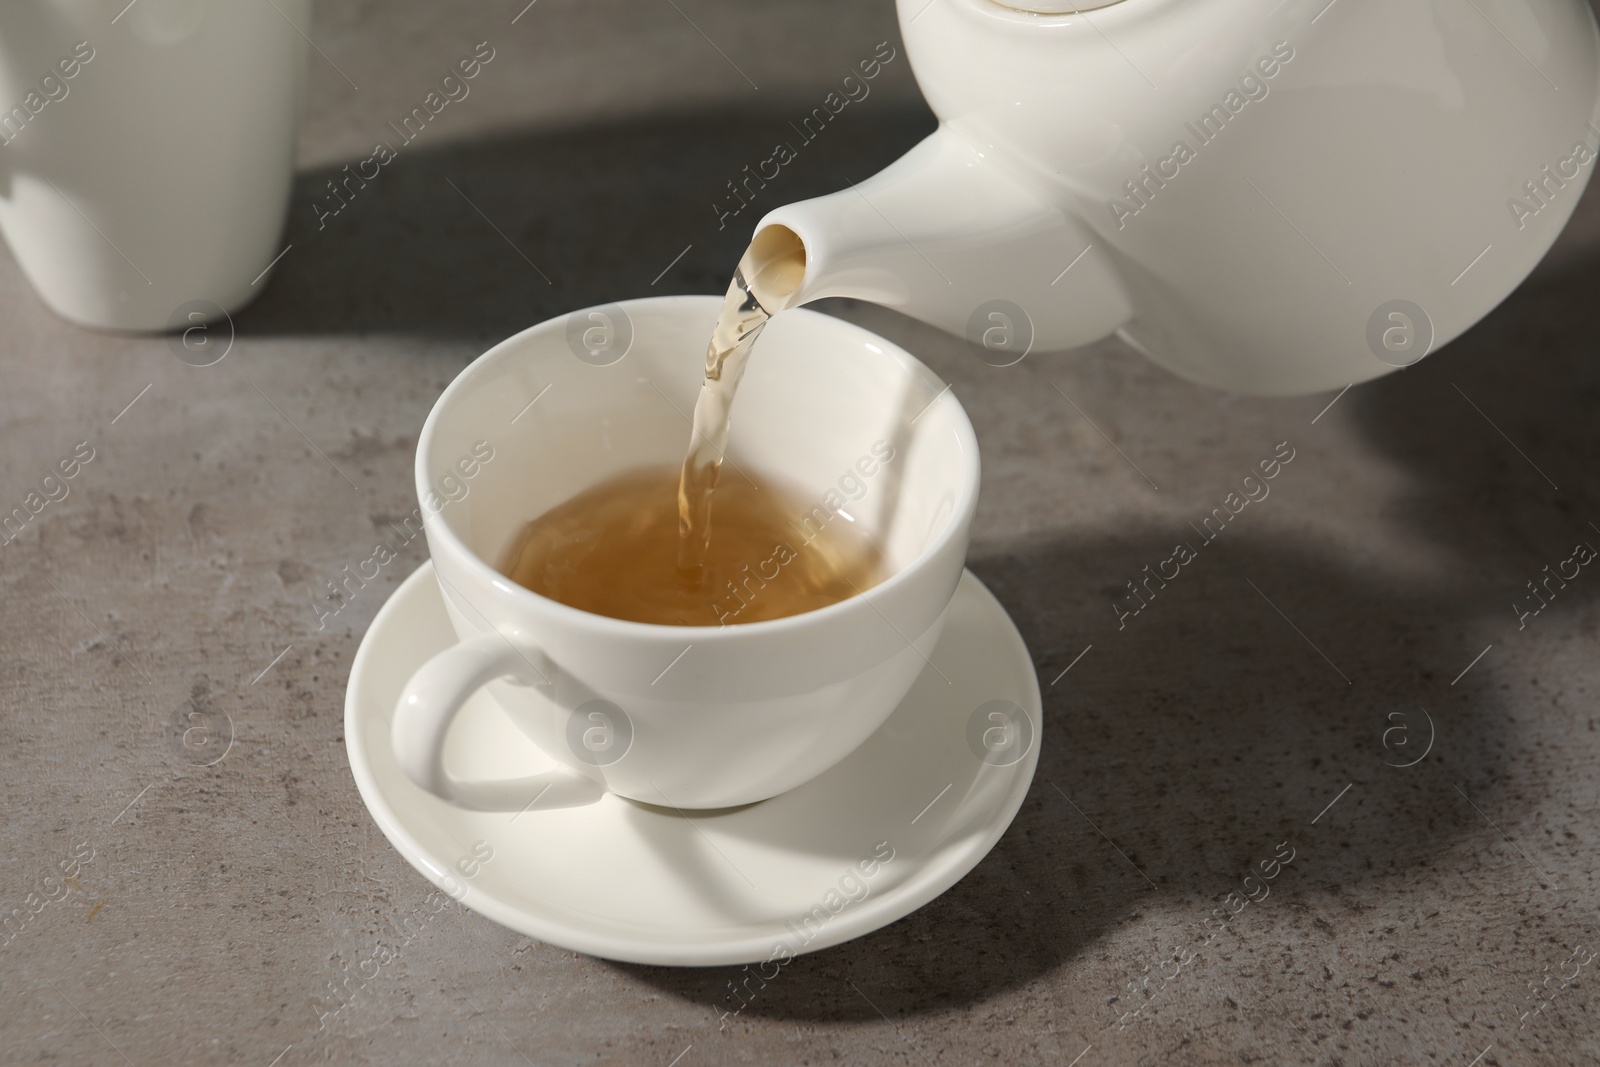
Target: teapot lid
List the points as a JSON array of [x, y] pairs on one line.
[[1056, 7]]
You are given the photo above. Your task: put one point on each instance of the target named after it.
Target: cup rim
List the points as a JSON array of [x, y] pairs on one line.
[[955, 526]]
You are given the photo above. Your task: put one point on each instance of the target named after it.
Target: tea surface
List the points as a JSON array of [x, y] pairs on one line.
[[614, 550]]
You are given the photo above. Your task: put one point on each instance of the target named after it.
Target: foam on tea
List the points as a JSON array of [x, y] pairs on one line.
[[613, 550]]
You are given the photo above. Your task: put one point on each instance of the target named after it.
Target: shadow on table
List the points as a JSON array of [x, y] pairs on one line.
[[1209, 731], [482, 239]]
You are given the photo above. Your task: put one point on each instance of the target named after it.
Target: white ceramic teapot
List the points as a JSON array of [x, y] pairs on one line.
[[1266, 196]]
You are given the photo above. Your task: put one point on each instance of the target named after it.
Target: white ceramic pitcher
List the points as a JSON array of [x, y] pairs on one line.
[[1267, 196], [147, 154]]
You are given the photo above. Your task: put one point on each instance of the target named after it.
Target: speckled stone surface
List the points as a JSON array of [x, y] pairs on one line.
[[1264, 702]]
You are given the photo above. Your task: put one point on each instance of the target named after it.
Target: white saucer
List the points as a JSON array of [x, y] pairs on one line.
[[626, 881]]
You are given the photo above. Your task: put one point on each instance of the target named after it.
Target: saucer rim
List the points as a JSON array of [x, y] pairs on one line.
[[928, 882]]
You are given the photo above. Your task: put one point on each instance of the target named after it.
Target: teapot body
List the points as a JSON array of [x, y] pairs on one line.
[[1269, 196]]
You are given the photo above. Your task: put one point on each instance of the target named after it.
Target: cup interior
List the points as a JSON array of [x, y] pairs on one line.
[[856, 425]]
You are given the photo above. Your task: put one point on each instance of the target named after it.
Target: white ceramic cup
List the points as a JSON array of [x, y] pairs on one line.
[[682, 716], [147, 153]]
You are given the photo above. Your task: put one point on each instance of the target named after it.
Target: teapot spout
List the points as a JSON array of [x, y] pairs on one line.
[[948, 234]]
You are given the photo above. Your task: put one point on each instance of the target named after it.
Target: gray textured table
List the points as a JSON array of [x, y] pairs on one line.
[[211, 908]]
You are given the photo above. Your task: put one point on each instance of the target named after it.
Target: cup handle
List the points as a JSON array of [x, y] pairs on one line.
[[427, 707]]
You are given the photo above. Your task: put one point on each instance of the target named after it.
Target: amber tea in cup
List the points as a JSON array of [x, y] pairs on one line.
[[614, 550]]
